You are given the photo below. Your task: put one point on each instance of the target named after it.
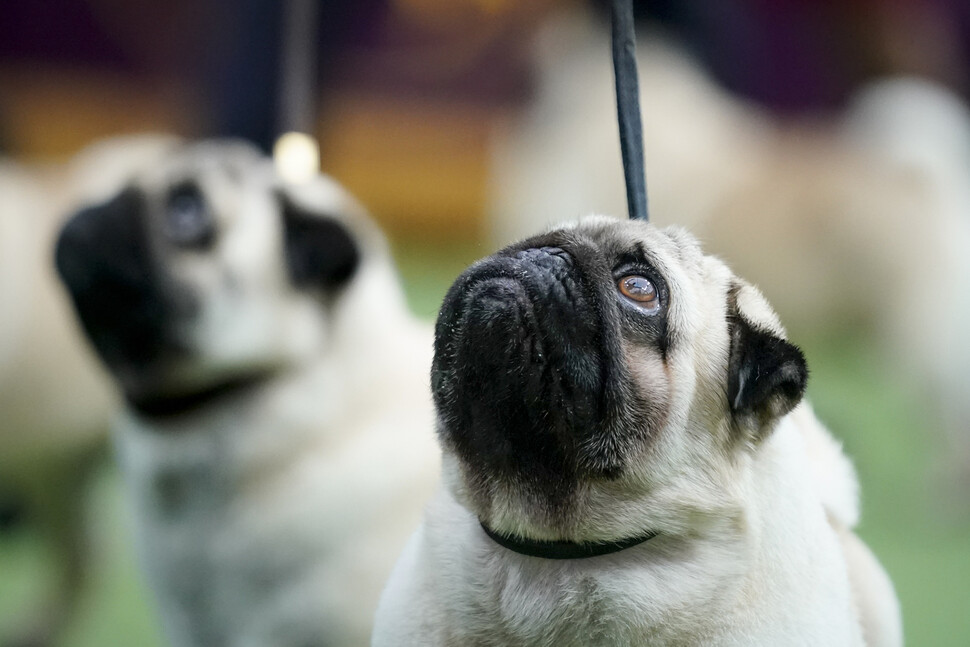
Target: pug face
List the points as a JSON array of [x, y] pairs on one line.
[[606, 379], [207, 270]]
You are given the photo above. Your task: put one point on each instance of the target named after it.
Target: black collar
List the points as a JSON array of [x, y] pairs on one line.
[[563, 549]]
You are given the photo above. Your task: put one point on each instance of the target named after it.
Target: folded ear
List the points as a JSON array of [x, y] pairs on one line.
[[766, 373], [320, 250]]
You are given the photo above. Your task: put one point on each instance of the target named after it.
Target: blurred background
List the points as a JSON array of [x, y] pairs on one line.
[[821, 146]]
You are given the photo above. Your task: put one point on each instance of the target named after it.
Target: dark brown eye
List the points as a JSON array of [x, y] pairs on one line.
[[641, 291]]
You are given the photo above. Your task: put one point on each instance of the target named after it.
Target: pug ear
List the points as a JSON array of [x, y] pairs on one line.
[[320, 251], [766, 373]]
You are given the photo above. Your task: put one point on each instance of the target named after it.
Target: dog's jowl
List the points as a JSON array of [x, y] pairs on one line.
[[628, 461]]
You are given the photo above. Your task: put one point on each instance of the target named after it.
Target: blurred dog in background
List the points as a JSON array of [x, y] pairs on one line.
[[848, 224], [55, 399], [276, 438]]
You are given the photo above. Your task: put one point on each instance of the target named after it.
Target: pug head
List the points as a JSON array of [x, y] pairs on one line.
[[206, 270], [606, 379]]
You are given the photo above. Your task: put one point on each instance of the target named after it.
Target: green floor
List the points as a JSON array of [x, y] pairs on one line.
[[921, 535]]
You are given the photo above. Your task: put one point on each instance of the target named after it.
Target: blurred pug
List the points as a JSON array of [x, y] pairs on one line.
[[276, 435], [627, 463]]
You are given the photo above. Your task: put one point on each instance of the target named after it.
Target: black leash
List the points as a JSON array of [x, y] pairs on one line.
[[298, 70], [563, 549], [628, 108]]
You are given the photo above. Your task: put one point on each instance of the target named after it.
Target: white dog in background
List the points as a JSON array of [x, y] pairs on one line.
[[276, 441]]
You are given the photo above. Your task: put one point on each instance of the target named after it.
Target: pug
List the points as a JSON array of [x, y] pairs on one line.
[[275, 440], [627, 461]]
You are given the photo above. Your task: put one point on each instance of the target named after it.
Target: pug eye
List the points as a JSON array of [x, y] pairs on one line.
[[641, 291], [188, 222]]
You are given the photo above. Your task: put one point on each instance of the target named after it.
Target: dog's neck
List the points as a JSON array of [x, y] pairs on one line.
[[564, 549]]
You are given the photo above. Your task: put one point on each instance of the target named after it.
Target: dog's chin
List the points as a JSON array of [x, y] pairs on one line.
[[511, 506]]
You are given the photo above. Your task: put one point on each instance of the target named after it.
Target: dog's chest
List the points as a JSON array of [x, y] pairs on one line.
[[673, 595], [561, 610], [569, 615], [222, 542]]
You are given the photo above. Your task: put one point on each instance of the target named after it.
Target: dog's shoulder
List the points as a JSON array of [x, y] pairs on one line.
[[832, 473], [836, 485]]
